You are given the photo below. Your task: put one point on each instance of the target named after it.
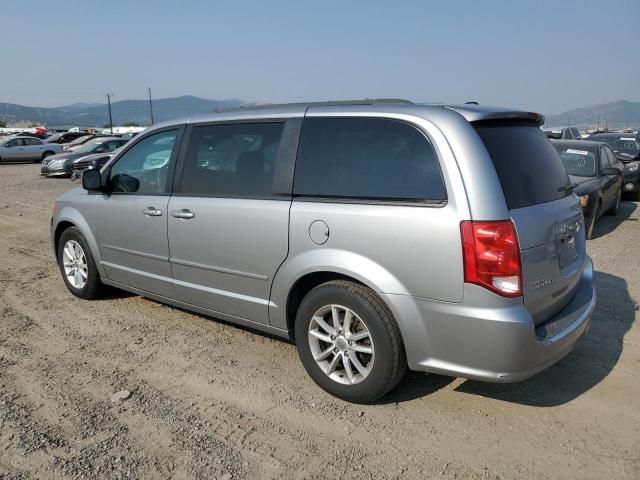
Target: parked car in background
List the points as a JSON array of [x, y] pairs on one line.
[[562, 133], [597, 175], [65, 137], [129, 135], [96, 160], [78, 142], [377, 234], [62, 164], [626, 146], [26, 149], [41, 136]]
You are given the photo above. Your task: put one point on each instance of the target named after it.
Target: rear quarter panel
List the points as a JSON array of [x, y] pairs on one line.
[[394, 249]]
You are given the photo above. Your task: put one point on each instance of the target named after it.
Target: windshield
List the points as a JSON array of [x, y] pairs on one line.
[[580, 163], [622, 144], [89, 147], [79, 140]]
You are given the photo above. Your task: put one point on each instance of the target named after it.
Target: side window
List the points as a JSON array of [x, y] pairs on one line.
[[613, 160], [32, 141], [16, 142], [576, 134], [144, 167], [604, 160], [367, 158], [233, 160]]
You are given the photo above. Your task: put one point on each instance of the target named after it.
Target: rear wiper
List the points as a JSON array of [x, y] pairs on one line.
[[567, 188]]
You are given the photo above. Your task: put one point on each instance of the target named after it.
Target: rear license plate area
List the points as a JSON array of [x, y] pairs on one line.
[[567, 240]]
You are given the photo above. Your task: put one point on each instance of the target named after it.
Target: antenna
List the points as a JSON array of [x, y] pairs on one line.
[[150, 105], [109, 95]]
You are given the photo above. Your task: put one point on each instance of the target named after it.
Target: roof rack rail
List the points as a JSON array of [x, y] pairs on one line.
[[365, 101]]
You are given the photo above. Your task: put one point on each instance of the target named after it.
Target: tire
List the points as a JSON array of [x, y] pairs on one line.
[[88, 288], [46, 154], [384, 367], [593, 220], [616, 206]]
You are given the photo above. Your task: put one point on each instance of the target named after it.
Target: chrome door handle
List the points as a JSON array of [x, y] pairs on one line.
[[184, 214], [152, 212]]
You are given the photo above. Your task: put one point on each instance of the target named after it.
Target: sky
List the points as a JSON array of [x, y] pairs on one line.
[[546, 56]]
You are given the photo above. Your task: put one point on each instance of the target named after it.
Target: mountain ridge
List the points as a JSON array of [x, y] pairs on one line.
[[617, 114], [123, 111]]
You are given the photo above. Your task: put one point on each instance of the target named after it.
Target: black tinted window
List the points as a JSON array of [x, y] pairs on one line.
[[144, 167], [527, 165], [366, 158], [234, 160]]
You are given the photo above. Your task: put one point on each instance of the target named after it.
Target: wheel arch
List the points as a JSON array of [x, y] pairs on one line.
[[302, 273], [67, 218]]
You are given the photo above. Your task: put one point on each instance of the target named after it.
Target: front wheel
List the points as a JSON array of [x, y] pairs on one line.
[[616, 206], [349, 342], [592, 222], [77, 266]]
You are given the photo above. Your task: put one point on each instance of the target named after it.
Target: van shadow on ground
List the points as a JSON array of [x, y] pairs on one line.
[[586, 366], [582, 369]]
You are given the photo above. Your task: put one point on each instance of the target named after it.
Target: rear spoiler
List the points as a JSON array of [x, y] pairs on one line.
[[474, 114]]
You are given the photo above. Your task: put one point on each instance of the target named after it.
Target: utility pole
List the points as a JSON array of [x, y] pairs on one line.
[[109, 95], [150, 105]]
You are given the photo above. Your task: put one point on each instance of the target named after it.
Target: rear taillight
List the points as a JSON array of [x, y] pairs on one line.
[[492, 256]]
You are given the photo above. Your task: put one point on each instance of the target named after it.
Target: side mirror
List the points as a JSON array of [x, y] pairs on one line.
[[611, 171], [91, 180]]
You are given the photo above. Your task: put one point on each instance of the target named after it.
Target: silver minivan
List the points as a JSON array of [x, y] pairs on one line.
[[380, 235]]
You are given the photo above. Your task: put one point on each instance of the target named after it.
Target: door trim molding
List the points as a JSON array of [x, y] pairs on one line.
[[229, 271], [135, 252]]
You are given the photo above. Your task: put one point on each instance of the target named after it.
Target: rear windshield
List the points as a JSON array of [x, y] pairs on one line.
[[528, 166]]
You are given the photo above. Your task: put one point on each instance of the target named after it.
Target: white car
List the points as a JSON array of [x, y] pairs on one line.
[[27, 148]]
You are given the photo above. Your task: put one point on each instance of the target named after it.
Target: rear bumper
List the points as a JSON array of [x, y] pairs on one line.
[[489, 338]]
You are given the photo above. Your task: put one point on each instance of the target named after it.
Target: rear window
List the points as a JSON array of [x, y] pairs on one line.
[[367, 158], [526, 162]]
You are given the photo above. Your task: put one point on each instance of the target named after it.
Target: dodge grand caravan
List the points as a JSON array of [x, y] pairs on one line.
[[379, 235]]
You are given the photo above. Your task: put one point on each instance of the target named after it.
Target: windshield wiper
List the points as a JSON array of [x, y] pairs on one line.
[[567, 188]]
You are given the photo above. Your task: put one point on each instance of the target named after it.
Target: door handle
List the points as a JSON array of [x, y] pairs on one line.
[[184, 214], [152, 212]]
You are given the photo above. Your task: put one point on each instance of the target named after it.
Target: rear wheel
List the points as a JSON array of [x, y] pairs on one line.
[[77, 266], [349, 342]]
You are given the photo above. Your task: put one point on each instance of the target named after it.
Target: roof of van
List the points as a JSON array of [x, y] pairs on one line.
[[471, 112]]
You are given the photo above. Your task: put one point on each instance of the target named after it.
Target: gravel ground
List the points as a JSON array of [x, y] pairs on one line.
[[211, 400]]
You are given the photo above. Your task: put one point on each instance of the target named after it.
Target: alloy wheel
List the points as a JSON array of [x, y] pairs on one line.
[[341, 344], [75, 264]]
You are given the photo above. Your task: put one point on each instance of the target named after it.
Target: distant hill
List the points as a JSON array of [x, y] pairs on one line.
[[124, 111], [616, 114]]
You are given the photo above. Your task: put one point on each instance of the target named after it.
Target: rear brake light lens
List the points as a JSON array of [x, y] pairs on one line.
[[492, 256]]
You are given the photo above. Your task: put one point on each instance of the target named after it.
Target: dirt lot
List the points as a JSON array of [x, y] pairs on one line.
[[210, 400]]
